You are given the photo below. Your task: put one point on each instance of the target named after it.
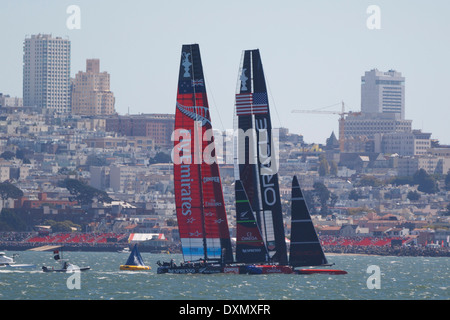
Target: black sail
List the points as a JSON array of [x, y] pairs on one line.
[[250, 247], [305, 248], [257, 164]]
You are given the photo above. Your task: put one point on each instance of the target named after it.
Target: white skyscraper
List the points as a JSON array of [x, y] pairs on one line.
[[46, 72], [383, 92]]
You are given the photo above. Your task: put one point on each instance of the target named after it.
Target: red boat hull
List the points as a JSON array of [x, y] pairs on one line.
[[270, 269], [324, 271]]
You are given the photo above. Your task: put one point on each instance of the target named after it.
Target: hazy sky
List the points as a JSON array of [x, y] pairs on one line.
[[314, 53]]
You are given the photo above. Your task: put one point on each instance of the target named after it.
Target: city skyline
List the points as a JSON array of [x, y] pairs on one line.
[[314, 54]]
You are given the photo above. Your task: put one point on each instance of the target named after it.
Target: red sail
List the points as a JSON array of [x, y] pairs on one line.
[[202, 220]]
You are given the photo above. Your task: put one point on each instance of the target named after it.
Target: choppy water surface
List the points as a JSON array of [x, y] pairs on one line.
[[407, 278]]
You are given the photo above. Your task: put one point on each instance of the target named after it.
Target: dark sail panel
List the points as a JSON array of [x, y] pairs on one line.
[[250, 247], [305, 249]]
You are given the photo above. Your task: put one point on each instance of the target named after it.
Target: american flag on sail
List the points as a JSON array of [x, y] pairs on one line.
[[251, 103]]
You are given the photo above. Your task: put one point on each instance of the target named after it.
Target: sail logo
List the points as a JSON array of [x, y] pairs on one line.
[[211, 179], [243, 79], [197, 83], [267, 163], [195, 234], [212, 203], [244, 215], [186, 64], [186, 190], [190, 220], [182, 153], [249, 237], [197, 113]]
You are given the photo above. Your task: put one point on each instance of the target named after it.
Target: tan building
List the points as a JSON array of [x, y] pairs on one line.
[[91, 94]]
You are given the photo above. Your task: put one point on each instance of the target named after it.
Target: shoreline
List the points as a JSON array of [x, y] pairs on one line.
[[334, 251]]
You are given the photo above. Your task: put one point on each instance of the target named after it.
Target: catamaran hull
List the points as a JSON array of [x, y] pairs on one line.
[[189, 270], [320, 271], [46, 269], [258, 269]]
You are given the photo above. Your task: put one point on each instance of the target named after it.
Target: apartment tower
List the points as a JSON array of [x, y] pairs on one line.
[[46, 72], [91, 93]]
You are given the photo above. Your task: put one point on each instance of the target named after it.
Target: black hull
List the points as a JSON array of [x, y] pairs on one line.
[[46, 269], [189, 269]]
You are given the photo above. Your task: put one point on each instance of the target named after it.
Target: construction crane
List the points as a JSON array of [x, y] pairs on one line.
[[342, 113]]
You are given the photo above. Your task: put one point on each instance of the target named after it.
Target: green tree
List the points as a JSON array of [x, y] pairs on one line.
[[10, 221], [368, 181], [8, 190], [85, 194], [354, 195], [413, 195], [7, 155], [62, 226], [447, 181], [160, 157], [322, 192], [427, 183], [323, 168], [397, 181], [333, 168]]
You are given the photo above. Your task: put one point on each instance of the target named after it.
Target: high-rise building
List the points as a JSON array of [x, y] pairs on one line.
[[46, 72], [383, 92], [91, 93]]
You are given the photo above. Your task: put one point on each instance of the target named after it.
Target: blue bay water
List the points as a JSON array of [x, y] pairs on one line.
[[401, 278]]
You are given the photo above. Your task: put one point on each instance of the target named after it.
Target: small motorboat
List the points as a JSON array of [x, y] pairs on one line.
[[66, 266], [124, 250], [4, 260], [135, 262], [9, 263]]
